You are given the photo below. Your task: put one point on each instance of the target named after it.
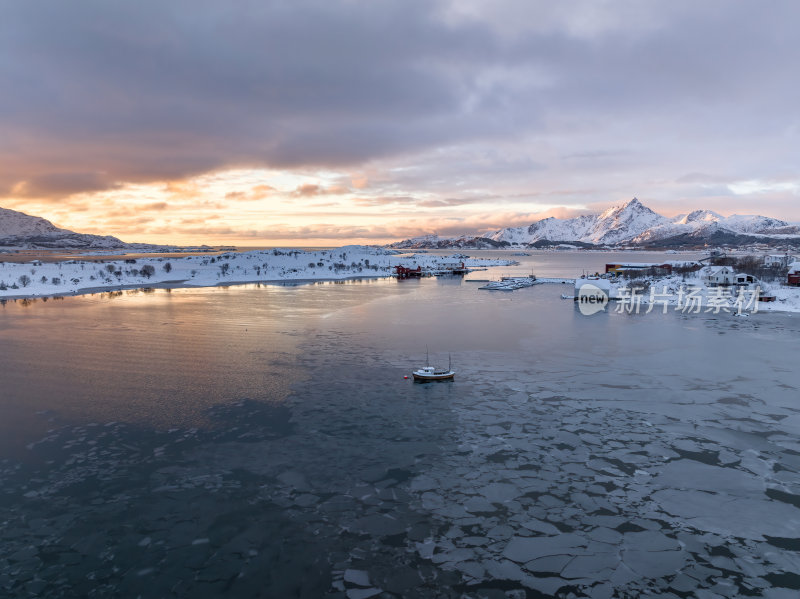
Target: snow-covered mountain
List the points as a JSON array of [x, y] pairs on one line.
[[19, 224], [18, 229], [615, 225], [631, 223]]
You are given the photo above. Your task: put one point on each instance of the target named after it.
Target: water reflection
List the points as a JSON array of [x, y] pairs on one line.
[[262, 439]]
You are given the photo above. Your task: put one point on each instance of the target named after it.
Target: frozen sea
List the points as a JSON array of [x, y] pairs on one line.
[[261, 441]]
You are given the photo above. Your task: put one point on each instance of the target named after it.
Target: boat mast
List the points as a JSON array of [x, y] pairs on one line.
[[427, 359], [449, 363]]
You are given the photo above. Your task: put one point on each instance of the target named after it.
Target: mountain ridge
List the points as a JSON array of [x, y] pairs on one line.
[[629, 224], [18, 229]]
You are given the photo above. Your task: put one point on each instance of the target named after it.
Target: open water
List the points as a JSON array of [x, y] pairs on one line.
[[262, 441]]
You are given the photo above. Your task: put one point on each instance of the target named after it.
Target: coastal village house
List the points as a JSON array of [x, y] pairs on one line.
[[718, 276], [742, 279], [778, 260]]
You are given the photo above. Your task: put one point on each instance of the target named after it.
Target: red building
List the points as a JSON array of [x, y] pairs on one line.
[[793, 278], [404, 273]]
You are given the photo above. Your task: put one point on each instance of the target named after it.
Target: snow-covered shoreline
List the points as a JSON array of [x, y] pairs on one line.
[[689, 294], [21, 280]]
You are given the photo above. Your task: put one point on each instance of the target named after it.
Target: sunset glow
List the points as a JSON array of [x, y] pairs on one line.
[[263, 127]]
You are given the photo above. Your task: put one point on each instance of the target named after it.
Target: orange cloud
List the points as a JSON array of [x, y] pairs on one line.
[[257, 192], [359, 181], [182, 189], [307, 190]]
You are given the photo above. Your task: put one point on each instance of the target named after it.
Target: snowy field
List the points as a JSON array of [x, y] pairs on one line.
[[36, 279], [691, 295]]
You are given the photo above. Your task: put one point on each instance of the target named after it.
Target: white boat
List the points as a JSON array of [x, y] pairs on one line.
[[510, 283], [431, 373], [499, 286]]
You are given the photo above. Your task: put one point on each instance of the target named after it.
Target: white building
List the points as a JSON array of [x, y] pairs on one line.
[[715, 276], [778, 260]]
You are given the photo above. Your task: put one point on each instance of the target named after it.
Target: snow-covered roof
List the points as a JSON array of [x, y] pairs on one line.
[[794, 267], [711, 271], [603, 284]]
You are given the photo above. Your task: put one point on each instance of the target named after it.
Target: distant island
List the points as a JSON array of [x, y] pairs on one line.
[[36, 278], [628, 225], [23, 231]]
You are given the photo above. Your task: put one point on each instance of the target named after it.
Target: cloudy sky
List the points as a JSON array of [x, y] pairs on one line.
[[317, 123]]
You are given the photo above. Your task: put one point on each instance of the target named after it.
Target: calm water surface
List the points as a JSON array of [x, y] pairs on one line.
[[261, 441]]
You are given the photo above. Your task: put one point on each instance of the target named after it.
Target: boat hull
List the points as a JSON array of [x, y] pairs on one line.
[[448, 376]]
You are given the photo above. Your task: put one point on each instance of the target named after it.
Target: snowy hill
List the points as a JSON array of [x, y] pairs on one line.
[[18, 229], [631, 223], [19, 224], [434, 242]]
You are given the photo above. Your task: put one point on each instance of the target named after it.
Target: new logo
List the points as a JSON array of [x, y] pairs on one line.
[[591, 299]]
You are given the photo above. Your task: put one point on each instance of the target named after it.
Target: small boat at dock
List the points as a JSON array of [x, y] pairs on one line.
[[510, 283]]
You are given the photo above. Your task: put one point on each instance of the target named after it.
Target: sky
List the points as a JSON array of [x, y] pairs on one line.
[[260, 123]]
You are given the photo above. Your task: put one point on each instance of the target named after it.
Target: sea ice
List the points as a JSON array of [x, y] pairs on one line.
[[688, 474], [594, 566], [649, 540], [653, 564], [478, 505], [525, 549], [552, 564], [504, 570], [357, 577], [605, 535], [378, 525], [731, 516], [499, 492], [362, 593], [540, 526]]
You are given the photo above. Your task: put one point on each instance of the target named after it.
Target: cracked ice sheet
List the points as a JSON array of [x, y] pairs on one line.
[[526, 549], [654, 564], [543, 448], [688, 474], [731, 516]]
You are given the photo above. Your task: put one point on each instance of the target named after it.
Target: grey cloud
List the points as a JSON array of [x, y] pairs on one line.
[[700, 178], [158, 90], [98, 93], [420, 202]]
